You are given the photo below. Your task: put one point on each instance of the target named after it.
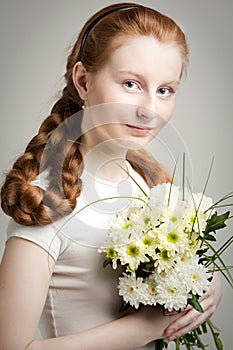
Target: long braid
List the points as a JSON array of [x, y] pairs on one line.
[[50, 149], [29, 204]]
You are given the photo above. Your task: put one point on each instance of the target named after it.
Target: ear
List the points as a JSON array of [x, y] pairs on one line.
[[79, 77]]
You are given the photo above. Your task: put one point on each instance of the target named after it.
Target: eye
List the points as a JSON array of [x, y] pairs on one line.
[[131, 85], [165, 91]]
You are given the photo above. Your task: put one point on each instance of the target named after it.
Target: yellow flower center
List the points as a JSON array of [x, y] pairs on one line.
[[132, 250], [172, 237], [146, 220], [126, 224], [111, 252], [147, 241], [172, 291], [194, 277], [152, 289], [164, 255]]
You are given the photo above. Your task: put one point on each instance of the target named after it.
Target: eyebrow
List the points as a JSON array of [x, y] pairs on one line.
[[176, 82]]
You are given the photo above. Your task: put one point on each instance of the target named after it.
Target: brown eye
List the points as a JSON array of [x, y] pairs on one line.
[[164, 91], [131, 85]]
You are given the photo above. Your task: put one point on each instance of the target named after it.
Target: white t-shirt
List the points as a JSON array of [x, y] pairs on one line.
[[82, 294]]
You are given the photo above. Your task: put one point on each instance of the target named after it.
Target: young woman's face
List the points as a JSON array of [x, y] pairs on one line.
[[137, 91]]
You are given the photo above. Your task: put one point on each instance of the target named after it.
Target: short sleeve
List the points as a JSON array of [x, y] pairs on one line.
[[46, 237]]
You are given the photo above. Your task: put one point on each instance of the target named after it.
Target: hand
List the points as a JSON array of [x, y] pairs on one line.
[[190, 319], [153, 321]]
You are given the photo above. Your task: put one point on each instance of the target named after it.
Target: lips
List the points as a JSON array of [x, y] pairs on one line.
[[138, 127], [139, 130]]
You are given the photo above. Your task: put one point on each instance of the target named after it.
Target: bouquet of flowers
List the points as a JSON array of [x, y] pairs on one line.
[[163, 242]]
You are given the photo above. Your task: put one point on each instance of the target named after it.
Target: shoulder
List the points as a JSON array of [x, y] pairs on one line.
[[47, 237]]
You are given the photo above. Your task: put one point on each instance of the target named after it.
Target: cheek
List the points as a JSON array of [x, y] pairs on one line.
[[165, 110]]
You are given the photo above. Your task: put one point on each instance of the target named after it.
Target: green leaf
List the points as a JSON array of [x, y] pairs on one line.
[[204, 327], [195, 303], [209, 237], [217, 341], [107, 262], [216, 222], [124, 306], [161, 344]]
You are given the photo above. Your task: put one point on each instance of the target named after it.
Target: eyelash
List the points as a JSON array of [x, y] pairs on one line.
[[169, 90], [130, 82]]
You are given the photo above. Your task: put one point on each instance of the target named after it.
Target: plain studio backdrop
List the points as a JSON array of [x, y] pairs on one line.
[[35, 40]]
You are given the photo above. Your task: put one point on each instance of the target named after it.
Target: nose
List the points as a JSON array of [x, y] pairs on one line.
[[148, 115], [147, 107], [145, 114]]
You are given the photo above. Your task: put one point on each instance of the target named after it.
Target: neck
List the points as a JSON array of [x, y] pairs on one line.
[[105, 162]]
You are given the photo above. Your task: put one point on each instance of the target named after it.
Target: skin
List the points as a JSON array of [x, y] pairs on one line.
[[126, 95], [24, 273]]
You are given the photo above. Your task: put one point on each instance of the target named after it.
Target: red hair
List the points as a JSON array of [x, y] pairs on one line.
[[29, 204]]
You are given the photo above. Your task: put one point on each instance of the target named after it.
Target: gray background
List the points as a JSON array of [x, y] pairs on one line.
[[35, 38]]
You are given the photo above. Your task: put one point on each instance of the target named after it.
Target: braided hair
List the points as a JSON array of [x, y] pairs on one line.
[[51, 149]]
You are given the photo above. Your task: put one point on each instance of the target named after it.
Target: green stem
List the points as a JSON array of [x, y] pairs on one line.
[[177, 344], [220, 250], [172, 181], [215, 335], [227, 196], [141, 189], [200, 344], [183, 177], [188, 346], [229, 277]]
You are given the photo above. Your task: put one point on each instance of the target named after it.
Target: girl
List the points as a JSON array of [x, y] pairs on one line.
[[121, 82]]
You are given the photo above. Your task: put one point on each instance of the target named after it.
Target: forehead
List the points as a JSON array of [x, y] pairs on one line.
[[145, 53]]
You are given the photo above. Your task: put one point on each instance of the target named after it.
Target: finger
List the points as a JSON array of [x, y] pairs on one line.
[[180, 326], [170, 313], [207, 294], [192, 318], [188, 322]]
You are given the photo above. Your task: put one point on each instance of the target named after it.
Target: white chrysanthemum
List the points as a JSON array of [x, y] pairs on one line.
[[197, 212], [175, 218], [195, 244], [132, 289], [172, 292], [176, 241], [202, 202], [132, 255], [164, 261], [162, 195], [123, 233], [148, 218], [195, 276], [151, 291], [148, 245]]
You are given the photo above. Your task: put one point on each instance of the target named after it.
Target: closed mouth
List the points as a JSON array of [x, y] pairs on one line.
[[138, 127]]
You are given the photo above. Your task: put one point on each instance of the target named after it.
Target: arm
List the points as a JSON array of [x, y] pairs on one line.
[[192, 319], [25, 274]]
